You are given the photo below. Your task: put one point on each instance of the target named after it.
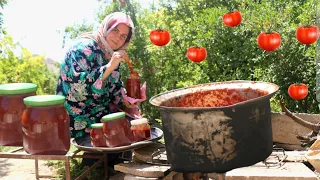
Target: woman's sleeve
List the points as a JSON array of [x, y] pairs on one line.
[[81, 75], [114, 81]]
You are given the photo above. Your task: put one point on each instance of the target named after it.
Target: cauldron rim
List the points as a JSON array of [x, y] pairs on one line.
[[253, 100]]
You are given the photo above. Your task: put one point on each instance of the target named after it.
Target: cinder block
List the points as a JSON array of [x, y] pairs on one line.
[[132, 177], [142, 170], [259, 171]]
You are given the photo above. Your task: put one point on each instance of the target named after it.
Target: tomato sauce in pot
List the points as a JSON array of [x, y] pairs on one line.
[[219, 97]]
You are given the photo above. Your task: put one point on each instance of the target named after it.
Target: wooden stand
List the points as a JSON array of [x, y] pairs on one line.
[[20, 154]]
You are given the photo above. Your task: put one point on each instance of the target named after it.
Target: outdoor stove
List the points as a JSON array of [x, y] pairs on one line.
[[275, 160]]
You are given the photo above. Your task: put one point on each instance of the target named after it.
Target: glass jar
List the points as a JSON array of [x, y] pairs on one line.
[[11, 108], [133, 86], [45, 125], [97, 136], [116, 129], [140, 129]]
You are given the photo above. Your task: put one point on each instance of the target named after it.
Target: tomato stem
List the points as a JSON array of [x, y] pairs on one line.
[[159, 29], [197, 46]]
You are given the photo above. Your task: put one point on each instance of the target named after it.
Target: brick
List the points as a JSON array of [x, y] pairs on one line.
[[217, 176], [142, 170], [145, 154], [118, 176], [174, 176], [132, 177], [285, 130], [288, 171]]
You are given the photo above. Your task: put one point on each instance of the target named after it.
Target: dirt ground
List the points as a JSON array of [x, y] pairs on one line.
[[22, 169]]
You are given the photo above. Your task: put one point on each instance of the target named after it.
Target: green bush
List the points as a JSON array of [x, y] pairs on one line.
[[233, 53]]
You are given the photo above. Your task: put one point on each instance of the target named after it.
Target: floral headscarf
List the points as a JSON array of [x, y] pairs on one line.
[[110, 22]]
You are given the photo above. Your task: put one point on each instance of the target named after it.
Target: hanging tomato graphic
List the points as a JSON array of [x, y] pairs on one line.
[[232, 19], [307, 34], [196, 54], [159, 37], [269, 41], [298, 91]]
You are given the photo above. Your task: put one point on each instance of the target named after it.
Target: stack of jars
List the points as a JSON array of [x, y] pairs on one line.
[[116, 131], [39, 123]]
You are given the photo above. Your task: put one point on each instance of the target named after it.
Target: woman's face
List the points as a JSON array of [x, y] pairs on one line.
[[118, 36]]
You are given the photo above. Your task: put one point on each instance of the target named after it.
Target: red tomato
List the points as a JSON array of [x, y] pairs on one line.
[[298, 91], [159, 37], [196, 54], [307, 34], [269, 41], [232, 19]]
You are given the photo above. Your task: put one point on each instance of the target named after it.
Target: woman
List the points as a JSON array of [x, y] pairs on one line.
[[90, 74]]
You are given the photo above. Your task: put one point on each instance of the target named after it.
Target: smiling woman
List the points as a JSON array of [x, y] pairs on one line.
[[90, 77], [90, 74], [118, 36]]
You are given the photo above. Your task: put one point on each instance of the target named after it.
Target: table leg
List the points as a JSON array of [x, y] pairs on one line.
[[67, 165], [105, 167], [37, 169]]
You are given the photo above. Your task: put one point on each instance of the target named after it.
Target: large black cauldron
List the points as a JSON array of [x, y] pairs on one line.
[[216, 127]]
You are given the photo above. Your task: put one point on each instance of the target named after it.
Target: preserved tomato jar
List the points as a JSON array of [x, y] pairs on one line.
[[133, 86], [140, 129], [97, 135], [116, 129], [45, 125], [11, 108]]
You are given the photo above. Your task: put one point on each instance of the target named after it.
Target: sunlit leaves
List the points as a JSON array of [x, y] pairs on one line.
[[19, 65]]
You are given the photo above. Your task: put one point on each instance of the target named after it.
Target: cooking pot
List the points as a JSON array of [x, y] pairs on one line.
[[218, 126]]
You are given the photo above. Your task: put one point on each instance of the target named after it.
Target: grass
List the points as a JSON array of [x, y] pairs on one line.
[[75, 166], [76, 169], [7, 148]]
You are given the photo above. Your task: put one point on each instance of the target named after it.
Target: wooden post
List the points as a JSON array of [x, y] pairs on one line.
[[37, 168]]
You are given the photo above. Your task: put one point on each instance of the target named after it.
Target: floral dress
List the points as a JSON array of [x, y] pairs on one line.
[[88, 98]]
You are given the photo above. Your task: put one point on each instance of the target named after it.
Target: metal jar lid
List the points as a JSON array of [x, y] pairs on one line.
[[44, 100], [17, 88]]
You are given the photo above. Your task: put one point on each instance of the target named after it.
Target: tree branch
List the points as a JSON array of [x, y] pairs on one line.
[[314, 127]]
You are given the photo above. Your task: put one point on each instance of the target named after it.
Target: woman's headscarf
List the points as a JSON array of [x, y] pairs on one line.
[[110, 22]]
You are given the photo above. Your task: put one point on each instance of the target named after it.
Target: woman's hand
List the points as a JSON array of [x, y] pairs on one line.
[[116, 59], [128, 104]]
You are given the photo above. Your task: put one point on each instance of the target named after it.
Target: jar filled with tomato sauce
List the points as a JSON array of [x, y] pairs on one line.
[[97, 136], [11, 108], [116, 129], [45, 125], [140, 129], [133, 85]]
